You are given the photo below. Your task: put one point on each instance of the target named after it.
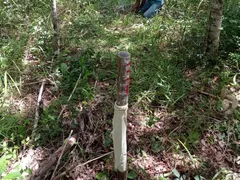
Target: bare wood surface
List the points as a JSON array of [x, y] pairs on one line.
[[123, 80], [123, 84], [38, 110], [52, 160], [59, 159]]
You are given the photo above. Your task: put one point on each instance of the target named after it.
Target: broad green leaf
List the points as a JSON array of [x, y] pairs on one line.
[[198, 177], [108, 139], [104, 178], [64, 67], [3, 164], [144, 154], [9, 156], [183, 177], [101, 176], [132, 175], [12, 175], [107, 142], [176, 173]]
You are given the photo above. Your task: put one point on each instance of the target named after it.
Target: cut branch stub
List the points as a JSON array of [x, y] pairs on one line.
[[123, 80]]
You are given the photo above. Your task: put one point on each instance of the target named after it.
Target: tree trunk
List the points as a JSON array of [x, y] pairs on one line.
[[56, 39], [215, 22]]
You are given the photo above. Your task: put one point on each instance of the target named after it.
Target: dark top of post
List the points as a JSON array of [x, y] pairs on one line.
[[123, 80]]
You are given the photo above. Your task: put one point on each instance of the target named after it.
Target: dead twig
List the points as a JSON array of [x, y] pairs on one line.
[[38, 108], [59, 159], [32, 83], [176, 129], [208, 94], [83, 164], [69, 98]]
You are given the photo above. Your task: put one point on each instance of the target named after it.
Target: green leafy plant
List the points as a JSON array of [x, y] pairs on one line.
[[8, 159], [107, 139], [102, 176], [156, 144], [77, 67], [132, 174]]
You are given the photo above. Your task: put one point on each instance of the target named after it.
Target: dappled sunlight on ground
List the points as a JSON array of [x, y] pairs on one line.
[[150, 146], [32, 158], [177, 120], [153, 165], [216, 151]]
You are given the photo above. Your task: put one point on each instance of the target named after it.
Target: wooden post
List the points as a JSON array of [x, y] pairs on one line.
[[123, 82]]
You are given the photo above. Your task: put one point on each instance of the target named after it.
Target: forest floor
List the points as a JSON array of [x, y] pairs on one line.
[[177, 128]]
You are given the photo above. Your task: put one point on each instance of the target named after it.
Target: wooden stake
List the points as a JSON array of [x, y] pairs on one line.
[[123, 82]]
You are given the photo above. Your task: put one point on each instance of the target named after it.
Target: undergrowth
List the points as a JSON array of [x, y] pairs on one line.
[[164, 51]]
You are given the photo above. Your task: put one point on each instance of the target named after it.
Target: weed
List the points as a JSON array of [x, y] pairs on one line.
[[92, 32], [8, 155], [12, 127], [101, 176]]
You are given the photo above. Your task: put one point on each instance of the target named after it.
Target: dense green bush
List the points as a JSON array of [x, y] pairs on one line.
[[230, 37]]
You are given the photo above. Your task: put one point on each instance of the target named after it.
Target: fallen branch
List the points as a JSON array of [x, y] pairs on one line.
[[37, 112], [52, 160], [59, 159], [74, 167]]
